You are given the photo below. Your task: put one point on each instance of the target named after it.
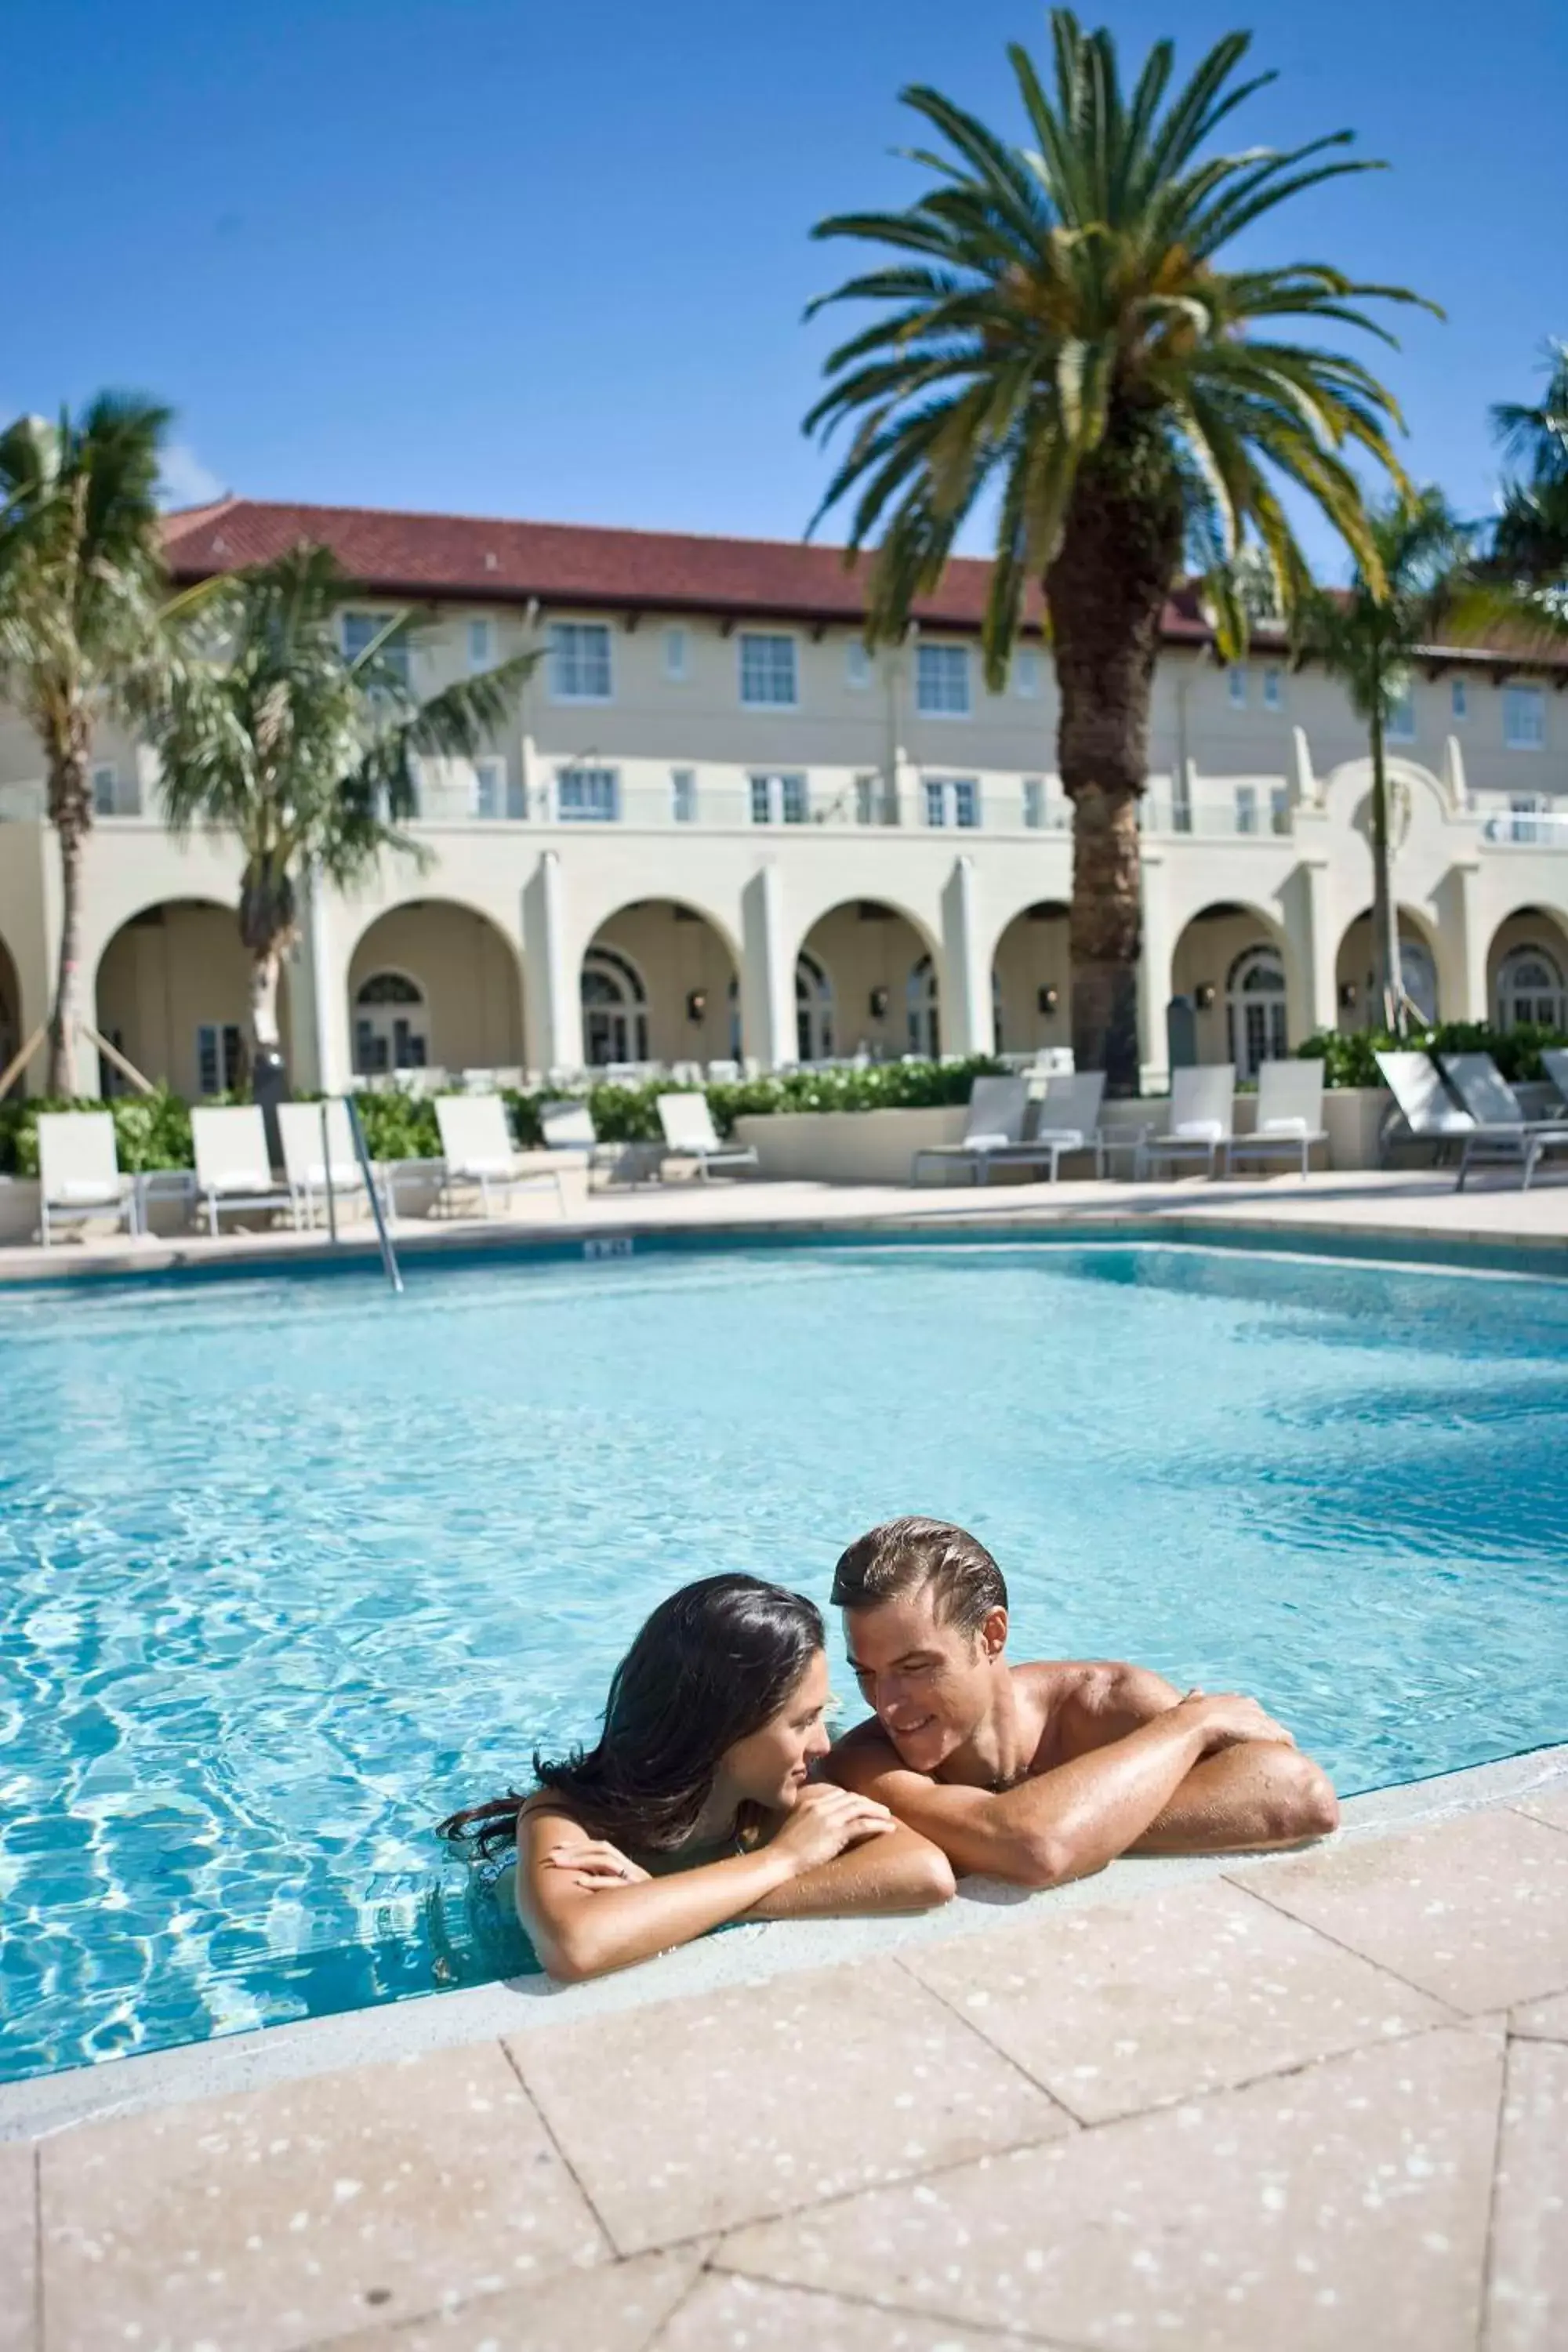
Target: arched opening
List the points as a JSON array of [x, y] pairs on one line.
[[10, 1008], [1229, 964], [1031, 981], [434, 985], [879, 981], [1359, 1007], [658, 984], [813, 1010], [1527, 972], [173, 995]]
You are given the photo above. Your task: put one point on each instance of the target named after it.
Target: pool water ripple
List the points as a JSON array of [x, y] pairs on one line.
[[289, 1569]]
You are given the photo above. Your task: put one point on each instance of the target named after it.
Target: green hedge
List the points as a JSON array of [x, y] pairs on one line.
[[1349, 1055]]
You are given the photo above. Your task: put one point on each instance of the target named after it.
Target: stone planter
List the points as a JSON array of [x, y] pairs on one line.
[[847, 1146]]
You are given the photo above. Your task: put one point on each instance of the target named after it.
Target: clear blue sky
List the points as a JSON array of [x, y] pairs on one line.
[[551, 261]]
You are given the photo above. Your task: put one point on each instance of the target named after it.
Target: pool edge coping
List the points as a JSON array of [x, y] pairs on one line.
[[229, 2065]]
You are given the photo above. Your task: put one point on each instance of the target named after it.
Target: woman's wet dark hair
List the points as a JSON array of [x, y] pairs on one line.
[[712, 1664]]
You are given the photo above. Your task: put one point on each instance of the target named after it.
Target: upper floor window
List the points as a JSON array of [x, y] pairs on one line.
[[779, 800], [481, 640], [1524, 717], [1026, 674], [360, 631], [942, 680], [683, 795], [580, 661], [675, 666], [1236, 684], [1034, 803], [1400, 725], [953, 799], [1273, 690], [587, 795], [1459, 698], [490, 797], [857, 663], [767, 672]]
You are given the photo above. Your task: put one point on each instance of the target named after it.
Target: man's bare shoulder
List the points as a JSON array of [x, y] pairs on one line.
[[1080, 1703]]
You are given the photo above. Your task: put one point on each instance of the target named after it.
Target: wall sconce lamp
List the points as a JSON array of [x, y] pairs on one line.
[[697, 1007], [1047, 999], [1347, 995], [1202, 995], [880, 1002]]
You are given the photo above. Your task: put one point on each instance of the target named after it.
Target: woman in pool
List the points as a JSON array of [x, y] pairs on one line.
[[697, 1806]]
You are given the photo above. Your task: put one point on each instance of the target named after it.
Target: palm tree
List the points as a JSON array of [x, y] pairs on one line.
[[81, 581], [1062, 333], [1368, 637], [270, 731], [1530, 538]]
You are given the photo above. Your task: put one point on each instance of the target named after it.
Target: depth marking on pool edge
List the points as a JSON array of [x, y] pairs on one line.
[[615, 1245]]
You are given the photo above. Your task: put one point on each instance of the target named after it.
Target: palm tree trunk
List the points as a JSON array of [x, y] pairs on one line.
[[1388, 987], [70, 810], [1106, 590], [265, 965]]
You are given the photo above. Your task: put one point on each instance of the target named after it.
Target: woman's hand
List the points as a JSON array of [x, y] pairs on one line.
[[825, 1820], [592, 1863]]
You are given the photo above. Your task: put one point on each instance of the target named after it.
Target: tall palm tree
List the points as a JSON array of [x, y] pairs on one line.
[[1530, 538], [1368, 637], [1063, 333], [81, 586], [269, 732]]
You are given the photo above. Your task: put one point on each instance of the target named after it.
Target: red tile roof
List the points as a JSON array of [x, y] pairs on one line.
[[472, 558]]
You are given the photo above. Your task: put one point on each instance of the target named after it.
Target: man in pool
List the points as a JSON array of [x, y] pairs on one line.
[[1043, 1772]]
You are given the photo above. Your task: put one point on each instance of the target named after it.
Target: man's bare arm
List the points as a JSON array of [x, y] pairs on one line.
[[901, 1872], [1255, 1792], [1059, 1825]]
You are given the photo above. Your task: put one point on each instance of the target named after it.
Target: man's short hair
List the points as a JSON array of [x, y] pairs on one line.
[[908, 1555]]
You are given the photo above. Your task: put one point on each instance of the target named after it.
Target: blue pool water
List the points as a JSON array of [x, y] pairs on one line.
[[288, 1567]]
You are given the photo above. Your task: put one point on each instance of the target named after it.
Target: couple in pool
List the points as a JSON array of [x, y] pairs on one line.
[[715, 1793]]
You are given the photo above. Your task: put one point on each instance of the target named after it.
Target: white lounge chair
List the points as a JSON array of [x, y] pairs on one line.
[[308, 1163], [1064, 1118], [1501, 1135], [234, 1170], [79, 1172], [1554, 1062], [690, 1134], [477, 1152], [1203, 1116], [1423, 1105], [1289, 1115], [993, 1125]]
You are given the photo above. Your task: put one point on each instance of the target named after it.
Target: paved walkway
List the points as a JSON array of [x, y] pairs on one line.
[[1313, 2102]]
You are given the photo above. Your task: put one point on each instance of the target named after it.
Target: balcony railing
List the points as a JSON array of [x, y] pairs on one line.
[[1524, 828]]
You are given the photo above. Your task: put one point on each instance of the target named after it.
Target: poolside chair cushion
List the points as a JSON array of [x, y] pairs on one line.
[[1283, 1127], [1199, 1130], [87, 1191], [997, 1142]]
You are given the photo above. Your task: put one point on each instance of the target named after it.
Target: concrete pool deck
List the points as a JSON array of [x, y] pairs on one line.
[[1407, 1206], [1315, 2101]]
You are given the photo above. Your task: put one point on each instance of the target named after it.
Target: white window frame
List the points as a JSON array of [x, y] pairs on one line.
[[490, 783], [951, 802], [1525, 810], [1026, 674], [106, 790], [1247, 808], [1516, 701], [857, 665], [567, 650], [779, 796], [1400, 725], [397, 657], [1236, 684], [481, 639], [677, 657], [1034, 799], [221, 1042], [937, 662], [579, 786], [683, 795], [773, 639], [1273, 689], [1459, 698]]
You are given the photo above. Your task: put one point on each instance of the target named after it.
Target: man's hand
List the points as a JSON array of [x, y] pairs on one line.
[[1228, 1718]]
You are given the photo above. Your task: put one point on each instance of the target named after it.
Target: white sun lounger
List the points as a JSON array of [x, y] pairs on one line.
[[994, 1124], [1203, 1114], [1065, 1118], [1289, 1115], [79, 1172], [1501, 1135], [1554, 1062], [1427, 1110], [306, 1165], [233, 1168], [477, 1152], [690, 1134]]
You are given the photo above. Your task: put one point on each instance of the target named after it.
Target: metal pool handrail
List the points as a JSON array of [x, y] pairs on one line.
[[361, 1153]]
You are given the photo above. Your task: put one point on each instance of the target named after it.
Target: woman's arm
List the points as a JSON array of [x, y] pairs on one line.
[[901, 1872], [582, 1922]]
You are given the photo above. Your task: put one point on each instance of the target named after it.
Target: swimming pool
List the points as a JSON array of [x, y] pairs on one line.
[[288, 1567]]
